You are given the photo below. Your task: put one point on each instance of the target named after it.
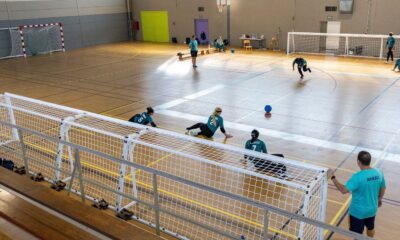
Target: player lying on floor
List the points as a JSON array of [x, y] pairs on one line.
[[144, 118]]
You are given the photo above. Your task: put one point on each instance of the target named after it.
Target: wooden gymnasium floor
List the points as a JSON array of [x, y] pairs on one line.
[[345, 105]]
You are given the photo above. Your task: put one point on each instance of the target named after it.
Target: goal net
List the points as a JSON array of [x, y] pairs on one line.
[[357, 45], [42, 38], [295, 187], [10, 42]]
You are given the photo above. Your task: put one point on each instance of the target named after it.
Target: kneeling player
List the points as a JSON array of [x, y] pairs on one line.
[[263, 165]]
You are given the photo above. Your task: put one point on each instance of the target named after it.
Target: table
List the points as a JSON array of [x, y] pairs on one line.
[[260, 41]]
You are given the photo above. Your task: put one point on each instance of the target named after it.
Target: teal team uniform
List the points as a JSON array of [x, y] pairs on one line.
[[390, 45], [219, 124], [397, 64], [144, 119], [257, 145], [194, 46], [301, 62], [364, 187], [390, 42]]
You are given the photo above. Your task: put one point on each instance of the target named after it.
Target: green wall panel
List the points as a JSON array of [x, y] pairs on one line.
[[155, 26]]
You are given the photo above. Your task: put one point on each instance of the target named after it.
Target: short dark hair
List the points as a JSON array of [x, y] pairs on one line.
[[364, 157], [193, 36], [150, 110], [255, 133]]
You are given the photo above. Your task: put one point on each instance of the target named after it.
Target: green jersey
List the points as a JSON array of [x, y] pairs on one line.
[[219, 124], [390, 42], [397, 63], [365, 187], [301, 62], [194, 46], [257, 145], [143, 119]]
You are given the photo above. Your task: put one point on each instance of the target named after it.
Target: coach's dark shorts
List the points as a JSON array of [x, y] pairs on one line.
[[193, 53], [357, 225]]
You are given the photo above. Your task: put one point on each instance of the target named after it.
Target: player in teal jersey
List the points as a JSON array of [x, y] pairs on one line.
[[301, 65], [390, 45], [214, 122], [397, 65], [256, 144], [262, 165], [144, 118], [194, 48]]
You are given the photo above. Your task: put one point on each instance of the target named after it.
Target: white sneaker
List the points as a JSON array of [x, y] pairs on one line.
[[190, 132], [386, 62]]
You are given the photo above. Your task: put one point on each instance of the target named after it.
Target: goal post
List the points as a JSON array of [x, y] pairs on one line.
[[10, 42], [339, 44], [299, 189], [42, 38], [29, 40]]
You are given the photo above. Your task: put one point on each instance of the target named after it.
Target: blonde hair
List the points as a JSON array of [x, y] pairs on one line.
[[214, 116]]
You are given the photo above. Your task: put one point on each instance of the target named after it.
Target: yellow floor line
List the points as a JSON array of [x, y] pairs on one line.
[[339, 213], [137, 171], [180, 197], [123, 106], [219, 211], [187, 199], [162, 158]]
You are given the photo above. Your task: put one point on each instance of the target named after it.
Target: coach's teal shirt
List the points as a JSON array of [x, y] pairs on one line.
[[364, 187], [390, 42]]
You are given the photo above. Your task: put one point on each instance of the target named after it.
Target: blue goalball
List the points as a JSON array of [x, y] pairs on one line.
[[232, 50], [268, 108]]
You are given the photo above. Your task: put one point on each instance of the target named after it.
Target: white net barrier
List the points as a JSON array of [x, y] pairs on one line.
[[10, 42], [295, 187], [358, 45], [42, 40]]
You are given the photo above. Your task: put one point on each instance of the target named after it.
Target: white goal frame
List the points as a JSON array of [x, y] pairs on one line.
[[19, 45], [349, 45], [23, 27], [303, 191]]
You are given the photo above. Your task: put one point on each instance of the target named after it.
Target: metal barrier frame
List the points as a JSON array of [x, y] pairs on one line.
[[267, 209]]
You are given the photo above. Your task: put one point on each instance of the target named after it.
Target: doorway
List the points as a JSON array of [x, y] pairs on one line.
[[201, 30]]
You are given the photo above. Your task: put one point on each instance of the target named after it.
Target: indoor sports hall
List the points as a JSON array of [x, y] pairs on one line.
[[199, 119]]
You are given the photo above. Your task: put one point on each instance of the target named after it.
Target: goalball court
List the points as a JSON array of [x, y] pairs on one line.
[[236, 83]]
